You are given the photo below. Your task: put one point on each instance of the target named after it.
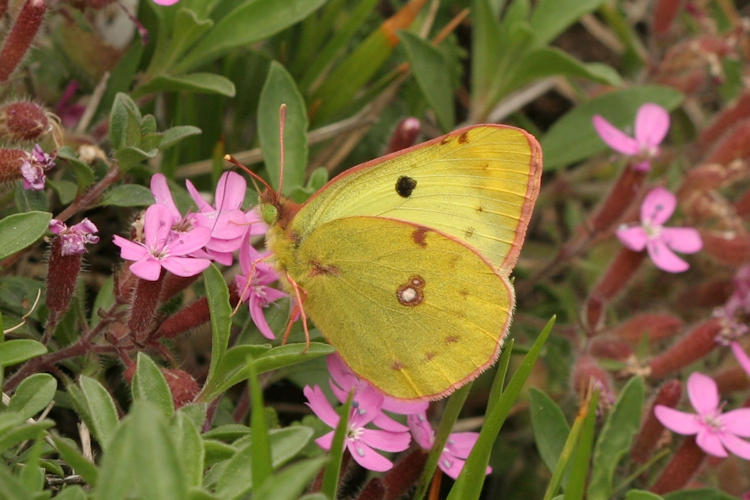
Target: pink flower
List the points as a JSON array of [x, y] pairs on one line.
[[343, 381], [166, 2], [716, 432], [660, 241], [254, 289], [360, 440], [33, 169], [457, 448], [651, 125], [75, 237], [164, 247], [227, 221]]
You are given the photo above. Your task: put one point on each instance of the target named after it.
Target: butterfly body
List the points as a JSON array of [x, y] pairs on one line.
[[403, 262]]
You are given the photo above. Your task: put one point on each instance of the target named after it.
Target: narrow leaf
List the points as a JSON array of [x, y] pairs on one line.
[[149, 384]]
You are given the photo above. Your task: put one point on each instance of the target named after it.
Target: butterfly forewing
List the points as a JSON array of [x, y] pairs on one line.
[[413, 311], [477, 185]]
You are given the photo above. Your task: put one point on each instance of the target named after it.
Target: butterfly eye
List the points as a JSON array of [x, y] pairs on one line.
[[405, 185], [269, 213]]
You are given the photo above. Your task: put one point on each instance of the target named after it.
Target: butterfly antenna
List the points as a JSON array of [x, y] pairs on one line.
[[282, 130], [255, 177]]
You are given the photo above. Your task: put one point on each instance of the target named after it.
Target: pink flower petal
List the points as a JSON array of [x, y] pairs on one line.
[[185, 266], [405, 407], [189, 241], [202, 204], [633, 237], [421, 430], [651, 125], [451, 465], [737, 421], [367, 457], [703, 393], [163, 196], [658, 206], [147, 269], [460, 444], [737, 446], [130, 250], [256, 313], [340, 373], [157, 225], [166, 2], [230, 191], [710, 443], [682, 239], [319, 404], [614, 137], [386, 423], [742, 358], [325, 440], [677, 421], [664, 258], [386, 441]]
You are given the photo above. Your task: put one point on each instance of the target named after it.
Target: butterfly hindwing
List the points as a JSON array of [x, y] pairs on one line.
[[413, 311], [476, 184]]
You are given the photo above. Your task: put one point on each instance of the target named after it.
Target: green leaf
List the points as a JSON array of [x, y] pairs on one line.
[[74, 492], [99, 407], [579, 462], [469, 483], [33, 394], [173, 135], [250, 22], [141, 461], [234, 477], [261, 449], [206, 83], [105, 298], [28, 200], [17, 351], [190, 450], [433, 76], [221, 321], [642, 495], [132, 156], [83, 172], [69, 452], [549, 426], [551, 17], [21, 230], [127, 195], [550, 61], [575, 127], [121, 77], [32, 474], [292, 481], [279, 89], [23, 432], [124, 122], [615, 438], [149, 384], [65, 190], [330, 481], [13, 488]]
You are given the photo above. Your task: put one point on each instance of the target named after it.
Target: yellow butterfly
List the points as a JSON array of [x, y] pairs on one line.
[[403, 262]]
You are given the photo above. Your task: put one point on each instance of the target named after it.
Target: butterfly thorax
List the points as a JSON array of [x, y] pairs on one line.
[[279, 239]]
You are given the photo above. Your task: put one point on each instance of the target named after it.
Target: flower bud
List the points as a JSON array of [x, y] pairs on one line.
[[174, 284], [587, 372], [145, 300], [62, 274], [729, 247], [191, 316], [684, 464], [21, 35], [609, 347], [405, 134], [616, 277], [694, 345], [651, 429], [405, 473], [22, 121], [183, 386], [374, 489], [11, 161], [620, 196], [725, 120], [733, 145], [731, 380], [664, 13], [654, 326]]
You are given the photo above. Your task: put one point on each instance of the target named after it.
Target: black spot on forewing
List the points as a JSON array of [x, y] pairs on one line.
[[405, 186]]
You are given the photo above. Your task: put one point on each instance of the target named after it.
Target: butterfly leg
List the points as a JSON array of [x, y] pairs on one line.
[[249, 281], [298, 308]]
